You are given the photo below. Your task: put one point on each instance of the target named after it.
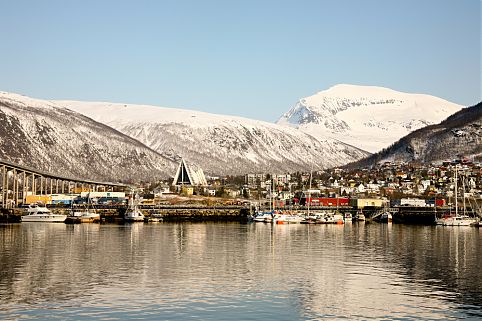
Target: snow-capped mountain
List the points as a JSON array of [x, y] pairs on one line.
[[370, 118], [44, 136], [460, 135], [220, 144]]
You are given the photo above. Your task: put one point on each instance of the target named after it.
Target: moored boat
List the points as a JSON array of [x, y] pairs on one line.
[[133, 213], [386, 217], [263, 217], [37, 212], [360, 217], [338, 218], [86, 215], [348, 217], [457, 220], [154, 218], [287, 219]]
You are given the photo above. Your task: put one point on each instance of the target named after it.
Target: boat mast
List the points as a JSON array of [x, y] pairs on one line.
[[270, 197], [456, 196], [309, 190], [463, 191]]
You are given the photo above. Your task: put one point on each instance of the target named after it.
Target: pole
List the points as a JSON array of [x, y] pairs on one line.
[[456, 195]]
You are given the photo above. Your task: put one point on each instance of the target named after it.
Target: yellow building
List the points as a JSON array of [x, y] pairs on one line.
[[187, 190], [368, 202], [46, 199], [78, 190]]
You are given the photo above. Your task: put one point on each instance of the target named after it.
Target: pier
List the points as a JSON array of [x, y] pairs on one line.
[[115, 214]]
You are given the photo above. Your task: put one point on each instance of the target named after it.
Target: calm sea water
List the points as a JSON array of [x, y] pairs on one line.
[[239, 272]]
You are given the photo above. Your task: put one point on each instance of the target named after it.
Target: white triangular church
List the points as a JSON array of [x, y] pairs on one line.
[[189, 175]]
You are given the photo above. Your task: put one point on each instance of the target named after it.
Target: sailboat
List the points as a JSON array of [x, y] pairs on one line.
[[87, 215], [457, 220]]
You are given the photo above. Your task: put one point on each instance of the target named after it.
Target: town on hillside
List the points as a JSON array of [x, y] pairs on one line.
[[403, 188], [388, 184]]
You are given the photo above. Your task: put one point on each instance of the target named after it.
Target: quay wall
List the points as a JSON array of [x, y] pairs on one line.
[[404, 214], [182, 214]]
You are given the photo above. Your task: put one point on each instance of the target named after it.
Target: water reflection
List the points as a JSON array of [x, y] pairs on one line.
[[233, 271]]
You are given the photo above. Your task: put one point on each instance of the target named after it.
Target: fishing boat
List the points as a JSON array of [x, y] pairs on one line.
[[38, 212], [348, 217], [133, 213], [360, 217], [386, 217]]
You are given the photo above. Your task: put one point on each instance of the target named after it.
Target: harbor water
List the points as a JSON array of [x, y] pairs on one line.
[[230, 271]]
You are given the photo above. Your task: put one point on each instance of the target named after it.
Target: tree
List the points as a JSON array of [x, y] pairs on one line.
[[221, 192], [245, 193]]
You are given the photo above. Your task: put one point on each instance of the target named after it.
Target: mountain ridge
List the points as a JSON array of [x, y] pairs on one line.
[[48, 137], [368, 117], [219, 144], [459, 135]]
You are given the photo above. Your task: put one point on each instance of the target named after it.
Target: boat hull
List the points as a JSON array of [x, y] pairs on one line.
[[134, 219], [47, 218], [456, 221]]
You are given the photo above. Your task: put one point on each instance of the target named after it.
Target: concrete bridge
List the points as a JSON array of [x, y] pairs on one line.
[[19, 181]]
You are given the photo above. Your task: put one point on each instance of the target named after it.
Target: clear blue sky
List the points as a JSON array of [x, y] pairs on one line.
[[248, 58]]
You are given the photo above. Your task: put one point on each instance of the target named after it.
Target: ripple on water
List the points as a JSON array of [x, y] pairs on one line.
[[234, 271]]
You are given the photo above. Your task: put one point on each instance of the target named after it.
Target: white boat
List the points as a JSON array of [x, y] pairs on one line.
[[86, 215], [40, 213], [287, 219], [360, 217], [313, 218], [263, 217], [348, 217], [457, 220], [332, 218], [154, 218], [441, 220], [338, 218], [133, 214], [326, 218]]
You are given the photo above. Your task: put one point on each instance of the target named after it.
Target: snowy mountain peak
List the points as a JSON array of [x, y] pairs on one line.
[[368, 117], [357, 91]]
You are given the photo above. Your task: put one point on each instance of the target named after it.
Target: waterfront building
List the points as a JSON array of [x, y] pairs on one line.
[[361, 203], [412, 202]]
